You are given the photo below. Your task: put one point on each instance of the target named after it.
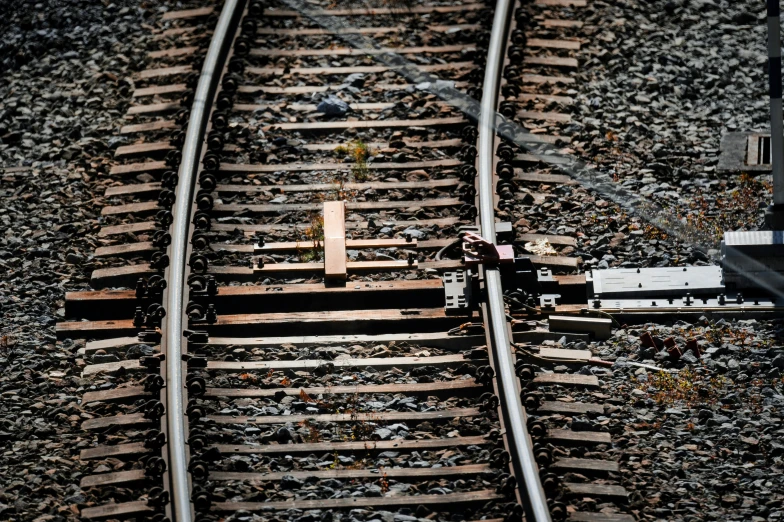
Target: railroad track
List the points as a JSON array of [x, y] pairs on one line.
[[270, 332]]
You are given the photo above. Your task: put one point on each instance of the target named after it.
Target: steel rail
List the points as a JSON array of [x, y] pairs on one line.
[[172, 327], [519, 443]]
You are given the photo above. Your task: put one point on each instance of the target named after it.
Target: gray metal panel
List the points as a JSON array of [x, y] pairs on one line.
[[732, 157], [757, 243], [623, 283]]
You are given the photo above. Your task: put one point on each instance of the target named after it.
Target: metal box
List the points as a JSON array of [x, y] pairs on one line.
[[753, 260]]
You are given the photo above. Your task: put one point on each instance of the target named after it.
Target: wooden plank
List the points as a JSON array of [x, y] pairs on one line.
[[172, 52], [108, 304], [116, 342], [426, 339], [161, 72], [321, 71], [553, 261], [275, 31], [338, 322], [188, 13], [129, 365], [370, 446], [351, 51], [174, 31], [251, 229], [578, 438], [445, 415], [121, 510], [335, 240], [449, 501], [102, 277], [436, 144], [566, 379], [550, 159], [572, 45], [115, 395], [357, 244], [71, 328], [112, 479], [308, 107], [120, 450], [538, 78], [544, 116], [584, 516], [460, 387], [562, 23], [232, 168], [155, 90], [553, 240], [143, 207], [296, 269], [585, 466], [366, 124], [419, 9], [148, 127], [319, 187], [153, 108], [612, 491], [542, 177], [468, 470], [562, 3], [127, 275], [309, 89], [125, 250], [132, 190], [570, 408], [141, 149], [308, 365], [128, 228], [296, 246], [136, 168], [566, 100], [273, 208], [100, 423], [551, 61]]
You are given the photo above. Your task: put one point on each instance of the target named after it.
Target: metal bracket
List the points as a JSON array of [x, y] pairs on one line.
[[457, 292], [479, 251]]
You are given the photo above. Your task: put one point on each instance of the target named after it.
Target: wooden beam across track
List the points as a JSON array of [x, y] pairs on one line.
[[129, 274], [379, 321], [399, 474], [420, 9], [354, 69], [275, 31], [151, 207], [366, 124], [428, 293], [351, 51], [310, 89], [451, 501], [235, 168], [443, 340]]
